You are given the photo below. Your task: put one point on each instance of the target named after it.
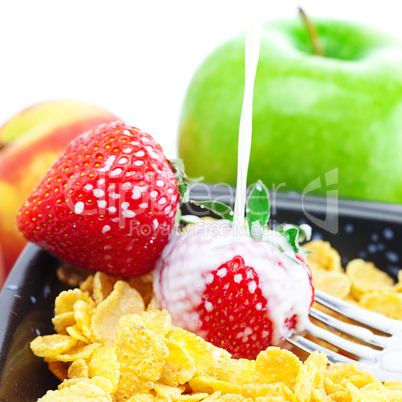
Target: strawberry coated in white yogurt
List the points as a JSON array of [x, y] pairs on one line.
[[236, 292]]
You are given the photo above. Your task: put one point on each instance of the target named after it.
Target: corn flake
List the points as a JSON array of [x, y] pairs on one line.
[[102, 286], [78, 369], [158, 321], [333, 282], [275, 391], [103, 383], [144, 398], [384, 302], [277, 365], [393, 395], [83, 312], [320, 362], [368, 394], [104, 363], [142, 355], [79, 351], [192, 397], [144, 285], [72, 275], [52, 345], [122, 301], [303, 386], [234, 398], [179, 367], [323, 256], [78, 392], [319, 395], [59, 369], [174, 394], [239, 371], [87, 285], [211, 385], [209, 360], [62, 321], [366, 277], [398, 285], [214, 397], [76, 333], [393, 385], [153, 304], [167, 391], [65, 301]]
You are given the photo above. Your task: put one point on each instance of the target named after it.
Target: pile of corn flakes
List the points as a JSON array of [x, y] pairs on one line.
[[113, 343], [360, 283]]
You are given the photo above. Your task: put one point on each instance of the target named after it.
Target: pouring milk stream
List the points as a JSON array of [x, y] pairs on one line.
[[252, 51]]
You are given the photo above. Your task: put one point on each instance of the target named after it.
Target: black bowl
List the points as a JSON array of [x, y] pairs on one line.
[[356, 229]]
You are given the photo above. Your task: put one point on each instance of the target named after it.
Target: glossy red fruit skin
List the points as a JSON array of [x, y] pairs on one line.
[[107, 204], [229, 312], [234, 312]]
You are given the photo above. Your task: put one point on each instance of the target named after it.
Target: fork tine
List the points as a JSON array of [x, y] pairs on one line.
[[361, 351], [353, 330], [365, 317], [385, 363], [310, 347]]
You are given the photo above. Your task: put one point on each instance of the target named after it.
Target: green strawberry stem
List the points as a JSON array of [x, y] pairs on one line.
[[253, 40], [218, 208], [315, 39], [183, 181]]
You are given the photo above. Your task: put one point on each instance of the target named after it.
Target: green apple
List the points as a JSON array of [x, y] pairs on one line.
[[311, 114]]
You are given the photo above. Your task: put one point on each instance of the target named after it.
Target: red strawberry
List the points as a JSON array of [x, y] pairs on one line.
[[238, 293], [108, 203], [242, 310]]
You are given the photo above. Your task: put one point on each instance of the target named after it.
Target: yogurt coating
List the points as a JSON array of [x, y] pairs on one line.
[[181, 274]]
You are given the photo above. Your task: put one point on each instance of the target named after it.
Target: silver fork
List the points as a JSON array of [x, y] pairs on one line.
[[385, 362]]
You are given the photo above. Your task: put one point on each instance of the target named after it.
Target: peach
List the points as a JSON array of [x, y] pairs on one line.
[[29, 144], [2, 270]]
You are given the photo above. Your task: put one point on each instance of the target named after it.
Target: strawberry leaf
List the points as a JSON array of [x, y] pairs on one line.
[[178, 217], [184, 191], [258, 210], [292, 235], [218, 208], [295, 234]]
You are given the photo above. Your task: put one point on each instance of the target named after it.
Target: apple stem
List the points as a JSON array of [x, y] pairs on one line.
[[315, 39], [252, 51]]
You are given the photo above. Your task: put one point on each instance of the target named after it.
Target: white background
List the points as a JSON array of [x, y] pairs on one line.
[[135, 58]]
